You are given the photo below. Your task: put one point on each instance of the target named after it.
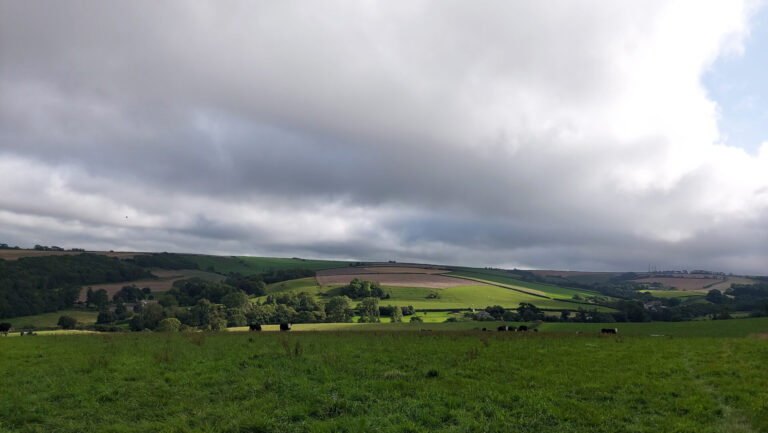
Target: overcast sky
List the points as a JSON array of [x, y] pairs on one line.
[[582, 135]]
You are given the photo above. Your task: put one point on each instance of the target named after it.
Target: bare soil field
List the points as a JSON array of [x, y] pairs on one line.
[[163, 284], [403, 279], [686, 283], [17, 254]]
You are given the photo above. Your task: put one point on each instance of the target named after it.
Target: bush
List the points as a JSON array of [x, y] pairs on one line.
[[170, 324], [106, 317], [67, 322], [416, 319]]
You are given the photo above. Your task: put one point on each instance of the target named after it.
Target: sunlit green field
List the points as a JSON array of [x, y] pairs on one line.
[[505, 278], [461, 297], [461, 381], [700, 328], [675, 294]]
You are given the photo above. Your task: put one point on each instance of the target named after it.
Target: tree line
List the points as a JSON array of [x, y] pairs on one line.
[[34, 285]]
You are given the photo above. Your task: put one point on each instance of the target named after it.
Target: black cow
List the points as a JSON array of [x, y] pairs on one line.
[[511, 328], [522, 328], [285, 326], [502, 328], [254, 327], [4, 328], [609, 331]]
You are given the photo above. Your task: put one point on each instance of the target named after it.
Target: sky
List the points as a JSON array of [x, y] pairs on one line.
[[575, 135]]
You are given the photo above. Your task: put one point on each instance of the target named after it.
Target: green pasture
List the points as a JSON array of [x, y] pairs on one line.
[[699, 328], [667, 294], [299, 285], [460, 297], [696, 328], [50, 320], [256, 265], [265, 264], [511, 280], [382, 381]]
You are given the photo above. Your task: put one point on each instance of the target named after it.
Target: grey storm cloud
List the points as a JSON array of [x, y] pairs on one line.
[[571, 135]]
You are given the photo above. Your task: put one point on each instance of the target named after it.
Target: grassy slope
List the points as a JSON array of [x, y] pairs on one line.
[[461, 297], [50, 320], [351, 382], [510, 280], [675, 294], [256, 265]]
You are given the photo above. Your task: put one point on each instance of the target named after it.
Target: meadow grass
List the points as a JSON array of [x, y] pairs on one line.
[[699, 328], [264, 264], [675, 294], [451, 298], [382, 381], [256, 265], [50, 320], [512, 281]]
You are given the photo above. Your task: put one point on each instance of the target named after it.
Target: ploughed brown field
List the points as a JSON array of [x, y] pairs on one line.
[[163, 284], [410, 277], [17, 254]]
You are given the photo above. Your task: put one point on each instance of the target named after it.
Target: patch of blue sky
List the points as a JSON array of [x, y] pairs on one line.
[[739, 85]]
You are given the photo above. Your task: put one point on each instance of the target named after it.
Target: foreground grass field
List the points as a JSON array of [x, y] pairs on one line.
[[382, 381]]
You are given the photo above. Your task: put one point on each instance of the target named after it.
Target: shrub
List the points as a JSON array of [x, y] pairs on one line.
[[67, 322], [416, 319], [106, 317], [170, 324]]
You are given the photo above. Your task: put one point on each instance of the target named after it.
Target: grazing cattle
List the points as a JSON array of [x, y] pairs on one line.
[[522, 328], [502, 328], [23, 333], [484, 329], [285, 326], [609, 331], [511, 328], [255, 327], [4, 328]]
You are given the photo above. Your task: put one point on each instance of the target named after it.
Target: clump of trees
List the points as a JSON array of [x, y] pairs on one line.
[[360, 289], [67, 322]]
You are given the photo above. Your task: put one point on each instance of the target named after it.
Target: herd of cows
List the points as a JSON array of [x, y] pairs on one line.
[[521, 328], [6, 327]]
